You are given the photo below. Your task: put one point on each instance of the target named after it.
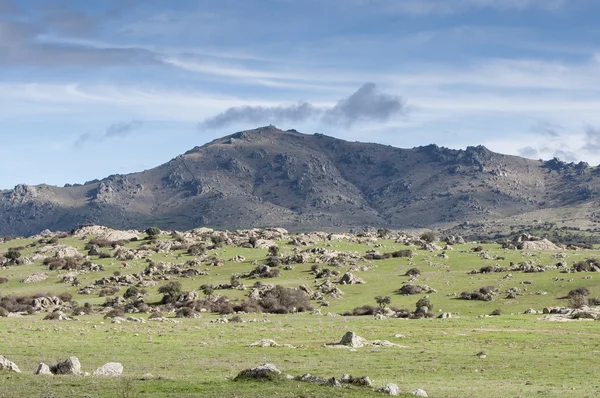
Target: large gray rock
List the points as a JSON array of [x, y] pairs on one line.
[[71, 366], [351, 339], [6, 365], [390, 389], [110, 369], [43, 369]]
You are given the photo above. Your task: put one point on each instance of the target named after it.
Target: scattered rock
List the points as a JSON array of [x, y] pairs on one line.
[[351, 339], [34, 278], [419, 393], [333, 382], [43, 369], [70, 366], [110, 369], [390, 389], [6, 365]]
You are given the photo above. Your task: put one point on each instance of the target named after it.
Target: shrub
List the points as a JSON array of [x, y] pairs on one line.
[[274, 250], [152, 232], [413, 272], [586, 265], [363, 310], [424, 302], [410, 289], [402, 253], [3, 280], [13, 254], [249, 306], [197, 249], [264, 271], [580, 291], [115, 312], [3, 312], [108, 291], [485, 293], [131, 292], [65, 297], [578, 301], [156, 314], [208, 290], [185, 312], [171, 291], [282, 300], [429, 237]]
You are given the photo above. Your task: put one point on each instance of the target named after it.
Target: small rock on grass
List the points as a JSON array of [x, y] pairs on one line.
[[110, 369], [390, 389], [43, 369], [419, 393]]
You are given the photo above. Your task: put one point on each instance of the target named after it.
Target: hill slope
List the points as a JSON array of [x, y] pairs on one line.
[[269, 177]]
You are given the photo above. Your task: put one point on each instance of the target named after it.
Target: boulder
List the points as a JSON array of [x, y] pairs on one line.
[[333, 382], [350, 279], [390, 389], [351, 339], [43, 369], [419, 393], [110, 369], [70, 366], [6, 365]]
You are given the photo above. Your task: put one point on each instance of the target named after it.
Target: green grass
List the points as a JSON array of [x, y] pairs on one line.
[[526, 356]]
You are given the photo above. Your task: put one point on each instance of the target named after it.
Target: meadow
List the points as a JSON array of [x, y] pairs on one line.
[[467, 355]]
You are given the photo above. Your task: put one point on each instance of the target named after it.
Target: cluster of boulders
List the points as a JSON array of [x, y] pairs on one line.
[[269, 372], [70, 366]]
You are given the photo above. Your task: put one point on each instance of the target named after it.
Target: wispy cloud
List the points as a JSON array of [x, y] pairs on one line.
[[426, 7], [366, 104], [547, 129], [115, 130]]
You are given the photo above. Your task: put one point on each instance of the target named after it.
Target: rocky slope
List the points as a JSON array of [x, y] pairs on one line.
[[269, 177]]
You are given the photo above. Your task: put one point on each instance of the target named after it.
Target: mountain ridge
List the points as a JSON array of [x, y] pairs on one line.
[[271, 177]]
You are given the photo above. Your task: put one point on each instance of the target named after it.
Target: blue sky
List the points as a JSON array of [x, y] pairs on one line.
[[93, 88]]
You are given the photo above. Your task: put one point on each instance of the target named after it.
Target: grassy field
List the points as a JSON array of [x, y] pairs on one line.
[[525, 356]]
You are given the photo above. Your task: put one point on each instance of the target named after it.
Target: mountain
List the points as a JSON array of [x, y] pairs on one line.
[[270, 177]]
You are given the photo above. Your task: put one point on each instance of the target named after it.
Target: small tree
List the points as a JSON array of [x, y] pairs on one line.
[[171, 291], [429, 237], [424, 302], [274, 250], [152, 232], [208, 290], [383, 301], [13, 255]]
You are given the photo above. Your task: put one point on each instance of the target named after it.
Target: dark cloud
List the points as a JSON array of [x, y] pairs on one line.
[[115, 130], [366, 104], [121, 129], [528, 152], [547, 129], [257, 114]]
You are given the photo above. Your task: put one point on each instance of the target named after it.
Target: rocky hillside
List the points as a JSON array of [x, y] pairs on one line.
[[270, 177]]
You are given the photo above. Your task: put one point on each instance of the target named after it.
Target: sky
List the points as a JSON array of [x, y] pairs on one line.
[[94, 88]]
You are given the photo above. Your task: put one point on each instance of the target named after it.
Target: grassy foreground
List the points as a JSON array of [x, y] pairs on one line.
[[525, 356]]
